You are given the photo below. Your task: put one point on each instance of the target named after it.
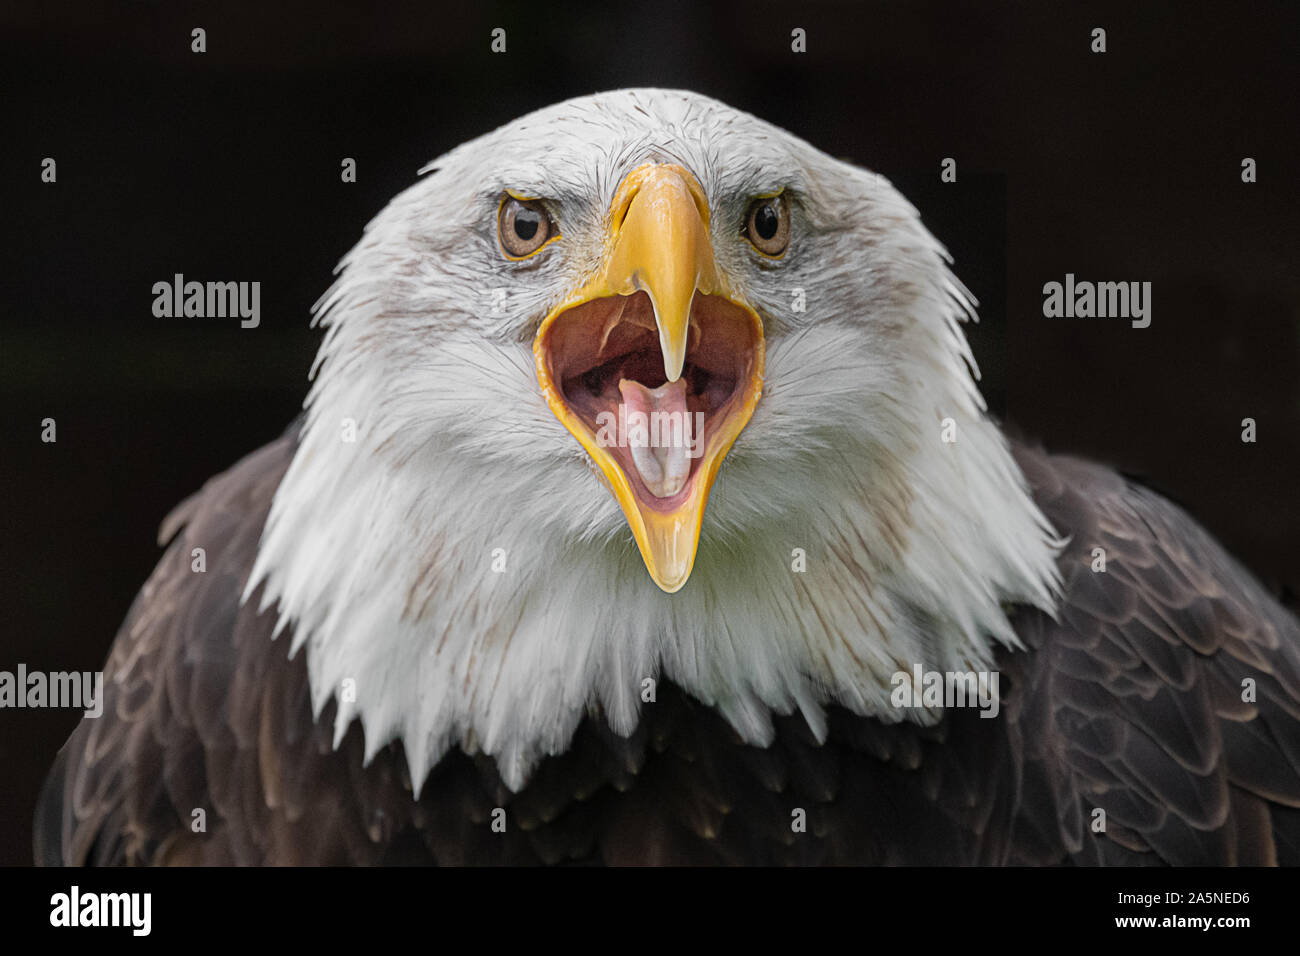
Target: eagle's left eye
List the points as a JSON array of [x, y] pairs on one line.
[[524, 226], [767, 225]]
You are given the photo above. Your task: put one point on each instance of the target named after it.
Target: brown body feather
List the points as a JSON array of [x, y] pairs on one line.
[[1131, 704]]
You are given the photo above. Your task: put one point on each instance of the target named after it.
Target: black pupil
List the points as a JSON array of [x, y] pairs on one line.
[[765, 221], [527, 222]]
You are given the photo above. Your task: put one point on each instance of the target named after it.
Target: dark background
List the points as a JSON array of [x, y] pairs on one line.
[[225, 165]]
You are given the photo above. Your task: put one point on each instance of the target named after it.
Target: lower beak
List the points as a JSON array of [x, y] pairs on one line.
[[658, 245]]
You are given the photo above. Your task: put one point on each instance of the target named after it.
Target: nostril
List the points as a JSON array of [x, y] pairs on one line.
[[620, 214]]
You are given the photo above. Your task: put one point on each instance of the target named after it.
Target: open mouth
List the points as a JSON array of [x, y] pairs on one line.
[[606, 365], [655, 364]]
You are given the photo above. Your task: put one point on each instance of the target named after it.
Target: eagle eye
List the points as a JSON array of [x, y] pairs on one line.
[[767, 225], [524, 226]]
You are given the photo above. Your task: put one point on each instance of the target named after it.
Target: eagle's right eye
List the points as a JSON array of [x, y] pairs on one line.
[[524, 227]]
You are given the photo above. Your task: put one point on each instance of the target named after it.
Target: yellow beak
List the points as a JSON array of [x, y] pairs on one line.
[[659, 244]]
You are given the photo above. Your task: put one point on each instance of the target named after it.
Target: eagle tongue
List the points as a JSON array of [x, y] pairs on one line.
[[665, 467]]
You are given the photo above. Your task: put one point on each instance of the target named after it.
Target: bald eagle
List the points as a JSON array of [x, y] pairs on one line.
[[470, 609]]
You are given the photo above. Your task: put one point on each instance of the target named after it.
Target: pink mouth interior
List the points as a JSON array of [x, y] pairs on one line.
[[588, 356]]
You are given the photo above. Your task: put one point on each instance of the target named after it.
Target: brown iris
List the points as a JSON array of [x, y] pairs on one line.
[[524, 226], [767, 225]]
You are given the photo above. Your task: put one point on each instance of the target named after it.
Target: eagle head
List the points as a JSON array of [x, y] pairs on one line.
[[641, 387]]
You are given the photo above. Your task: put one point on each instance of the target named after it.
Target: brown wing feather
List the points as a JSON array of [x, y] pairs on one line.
[[125, 784], [1143, 678]]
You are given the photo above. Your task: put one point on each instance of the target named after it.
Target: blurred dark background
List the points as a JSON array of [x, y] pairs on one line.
[[225, 165]]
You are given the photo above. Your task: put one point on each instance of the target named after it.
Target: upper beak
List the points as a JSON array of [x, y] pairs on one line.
[[659, 244]]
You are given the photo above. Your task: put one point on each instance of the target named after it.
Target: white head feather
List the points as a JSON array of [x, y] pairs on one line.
[[380, 551]]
